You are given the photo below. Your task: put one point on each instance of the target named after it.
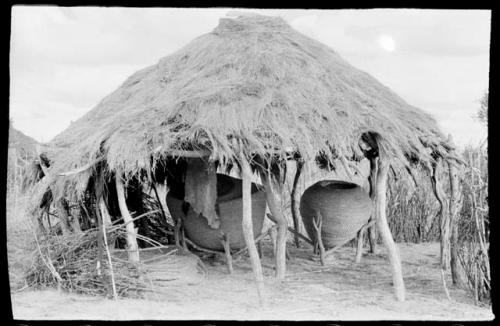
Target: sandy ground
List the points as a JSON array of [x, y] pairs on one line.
[[341, 290]]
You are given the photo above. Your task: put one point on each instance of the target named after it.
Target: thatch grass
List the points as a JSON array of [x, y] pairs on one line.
[[254, 85]]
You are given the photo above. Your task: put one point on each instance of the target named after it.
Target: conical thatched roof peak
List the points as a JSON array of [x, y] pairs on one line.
[[253, 81], [251, 23]]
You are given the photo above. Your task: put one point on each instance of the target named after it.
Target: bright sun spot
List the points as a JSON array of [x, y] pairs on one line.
[[387, 43]]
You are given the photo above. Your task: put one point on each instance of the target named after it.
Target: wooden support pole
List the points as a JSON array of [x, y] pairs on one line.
[[183, 239], [106, 218], [63, 216], [102, 241], [259, 248], [247, 225], [225, 240], [100, 245], [318, 224], [294, 206], [383, 227], [177, 231], [40, 227], [444, 224], [372, 231], [359, 245], [273, 193], [273, 234], [47, 214], [373, 218], [160, 190], [443, 215], [457, 272], [75, 224], [132, 247]]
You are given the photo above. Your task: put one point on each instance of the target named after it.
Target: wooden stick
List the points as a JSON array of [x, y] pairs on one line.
[[318, 223], [260, 237], [259, 248], [247, 225], [443, 279], [189, 154], [106, 218], [103, 240], [372, 230], [359, 245], [100, 246], [300, 235], [132, 246], [177, 230], [63, 216], [192, 244], [457, 272], [385, 232], [163, 211], [45, 169], [82, 168], [183, 239], [274, 235], [293, 195], [227, 250], [273, 192], [443, 216]]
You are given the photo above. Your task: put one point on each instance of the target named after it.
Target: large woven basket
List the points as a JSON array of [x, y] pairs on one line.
[[345, 207], [229, 200]]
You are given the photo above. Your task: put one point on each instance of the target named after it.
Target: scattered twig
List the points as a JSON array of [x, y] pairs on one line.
[[300, 235]]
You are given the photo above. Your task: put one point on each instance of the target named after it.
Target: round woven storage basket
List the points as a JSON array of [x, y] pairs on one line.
[[345, 207], [229, 200]]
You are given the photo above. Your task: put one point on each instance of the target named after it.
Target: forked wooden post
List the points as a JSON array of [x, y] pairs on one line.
[[385, 232], [272, 197], [132, 247], [371, 230], [247, 225]]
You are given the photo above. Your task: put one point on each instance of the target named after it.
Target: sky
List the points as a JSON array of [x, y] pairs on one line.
[[64, 60]]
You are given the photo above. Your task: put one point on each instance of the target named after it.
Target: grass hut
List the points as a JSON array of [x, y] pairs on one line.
[[246, 97]]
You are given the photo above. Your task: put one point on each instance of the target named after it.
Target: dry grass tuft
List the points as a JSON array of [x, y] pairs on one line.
[[71, 263]]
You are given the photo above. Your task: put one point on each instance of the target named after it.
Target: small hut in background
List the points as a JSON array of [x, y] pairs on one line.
[[21, 156], [244, 99], [21, 150]]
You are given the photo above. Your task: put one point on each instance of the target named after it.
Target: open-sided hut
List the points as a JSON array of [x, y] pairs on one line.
[[248, 96]]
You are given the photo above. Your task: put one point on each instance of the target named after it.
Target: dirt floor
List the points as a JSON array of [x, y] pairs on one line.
[[341, 290]]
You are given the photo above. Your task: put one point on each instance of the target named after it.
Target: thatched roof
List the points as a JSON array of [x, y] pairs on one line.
[[25, 146], [255, 80]]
